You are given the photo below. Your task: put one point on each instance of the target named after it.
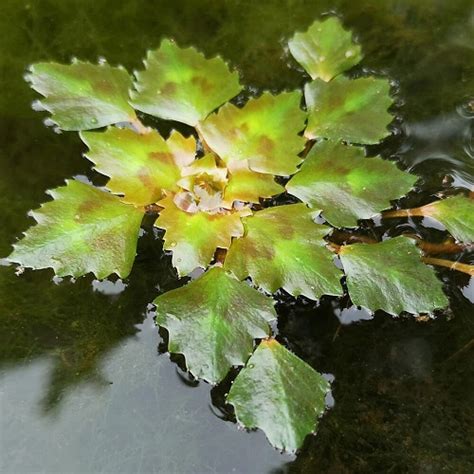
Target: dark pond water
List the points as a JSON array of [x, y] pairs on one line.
[[85, 386]]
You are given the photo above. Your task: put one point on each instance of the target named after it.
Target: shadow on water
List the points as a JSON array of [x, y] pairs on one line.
[[84, 387]]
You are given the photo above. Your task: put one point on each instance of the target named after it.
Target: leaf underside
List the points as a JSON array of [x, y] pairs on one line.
[[263, 134], [182, 84], [83, 96], [284, 248], [280, 394], [82, 230], [390, 276], [140, 166], [353, 110], [194, 238], [346, 185], [325, 50], [213, 322]]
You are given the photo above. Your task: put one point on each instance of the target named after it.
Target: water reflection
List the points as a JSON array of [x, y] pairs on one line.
[[142, 419], [75, 323], [443, 145]]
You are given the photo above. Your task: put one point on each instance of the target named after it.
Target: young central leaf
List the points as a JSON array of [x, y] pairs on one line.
[[263, 133], [203, 183], [280, 394], [325, 50], [348, 109], [140, 166], [284, 248], [213, 321], [346, 185], [194, 237], [181, 84], [83, 230], [248, 186], [83, 96], [390, 276]]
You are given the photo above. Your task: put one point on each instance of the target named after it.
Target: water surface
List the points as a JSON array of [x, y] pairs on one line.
[[85, 385]]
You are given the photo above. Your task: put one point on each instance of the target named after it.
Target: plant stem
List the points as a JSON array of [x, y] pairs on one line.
[[414, 212], [334, 247], [448, 246], [138, 126], [461, 267], [207, 148], [427, 247]]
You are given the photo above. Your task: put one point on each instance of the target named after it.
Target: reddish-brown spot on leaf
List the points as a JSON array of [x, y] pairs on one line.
[[168, 88], [159, 155], [203, 83], [87, 207], [266, 145]]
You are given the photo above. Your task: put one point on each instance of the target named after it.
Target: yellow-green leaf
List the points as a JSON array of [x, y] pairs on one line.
[[182, 84], [346, 185], [248, 186], [351, 110], [213, 322], [194, 237], [83, 96], [325, 50], [82, 230], [284, 248], [263, 134], [140, 166]]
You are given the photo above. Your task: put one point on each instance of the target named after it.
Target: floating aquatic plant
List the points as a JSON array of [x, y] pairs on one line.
[[209, 191]]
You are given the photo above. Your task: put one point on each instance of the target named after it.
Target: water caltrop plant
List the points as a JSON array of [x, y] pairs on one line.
[[211, 193]]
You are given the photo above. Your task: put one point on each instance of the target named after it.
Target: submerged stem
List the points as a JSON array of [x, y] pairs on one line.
[[448, 246], [414, 212], [461, 267]]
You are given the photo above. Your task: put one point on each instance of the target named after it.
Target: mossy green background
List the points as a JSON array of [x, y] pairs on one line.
[[83, 386]]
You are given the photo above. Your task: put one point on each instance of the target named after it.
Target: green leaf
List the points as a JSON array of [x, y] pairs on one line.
[[346, 185], [280, 394], [213, 322], [347, 109], [456, 213], [263, 133], [181, 84], [140, 166], [83, 96], [248, 186], [390, 276], [325, 50], [83, 230], [284, 248], [194, 238]]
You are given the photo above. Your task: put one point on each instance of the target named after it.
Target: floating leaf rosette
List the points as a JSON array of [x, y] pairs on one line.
[[209, 192]]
